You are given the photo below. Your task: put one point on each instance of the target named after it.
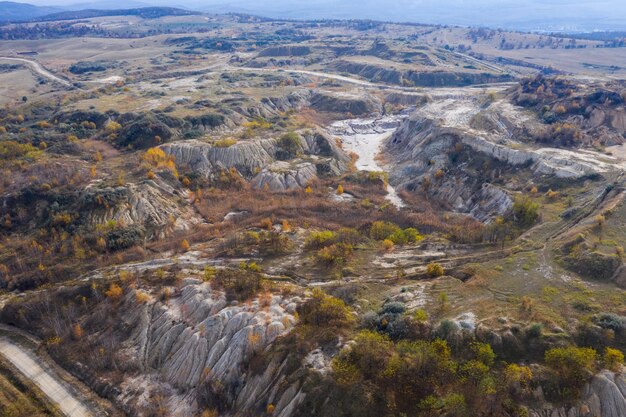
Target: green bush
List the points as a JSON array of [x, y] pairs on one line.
[[10, 149], [124, 237], [318, 240], [289, 144], [239, 284], [322, 310], [336, 254], [435, 269], [381, 230], [572, 365], [525, 212]]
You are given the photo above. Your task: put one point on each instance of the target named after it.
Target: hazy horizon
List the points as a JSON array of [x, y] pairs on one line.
[[531, 15]]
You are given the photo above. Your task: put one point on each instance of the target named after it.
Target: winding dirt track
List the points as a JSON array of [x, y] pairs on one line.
[[39, 69], [26, 362]]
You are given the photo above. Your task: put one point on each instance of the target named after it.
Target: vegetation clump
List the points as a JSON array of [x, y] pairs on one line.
[[289, 145]]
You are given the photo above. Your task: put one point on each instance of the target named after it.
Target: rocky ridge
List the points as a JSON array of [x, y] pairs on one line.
[[257, 160]]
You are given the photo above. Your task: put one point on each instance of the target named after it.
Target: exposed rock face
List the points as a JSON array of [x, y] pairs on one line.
[[150, 205], [207, 159], [417, 78], [605, 396], [422, 155], [256, 160], [426, 152], [294, 101], [284, 176], [198, 338], [358, 105]]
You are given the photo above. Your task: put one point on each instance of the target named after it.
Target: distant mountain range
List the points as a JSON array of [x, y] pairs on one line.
[[22, 12], [528, 15], [144, 12], [11, 11]]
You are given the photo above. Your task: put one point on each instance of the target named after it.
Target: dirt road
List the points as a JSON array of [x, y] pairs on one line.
[[39, 69], [27, 363]]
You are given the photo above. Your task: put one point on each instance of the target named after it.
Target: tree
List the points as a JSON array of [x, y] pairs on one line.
[[114, 291], [339, 189], [184, 245], [525, 211], [326, 311], [156, 158]]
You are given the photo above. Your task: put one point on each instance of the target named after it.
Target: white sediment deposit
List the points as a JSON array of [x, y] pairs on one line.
[[365, 138]]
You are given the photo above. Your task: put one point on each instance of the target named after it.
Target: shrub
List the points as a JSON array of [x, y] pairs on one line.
[[349, 235], [525, 212], [289, 144], [124, 237], [209, 273], [114, 291], [613, 359], [267, 223], [142, 132], [518, 375], [225, 142], [142, 297], [318, 240], [388, 245], [336, 254], [394, 307], [230, 179], [611, 321], [112, 127], [573, 365], [10, 149], [157, 158], [420, 315], [206, 121], [322, 310], [239, 284], [535, 330], [483, 353], [434, 269], [381, 230], [77, 331]]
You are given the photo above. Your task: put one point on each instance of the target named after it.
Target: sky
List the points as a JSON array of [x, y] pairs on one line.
[[522, 14]]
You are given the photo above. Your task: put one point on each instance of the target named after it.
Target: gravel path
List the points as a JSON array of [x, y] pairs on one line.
[[39, 69], [27, 363]]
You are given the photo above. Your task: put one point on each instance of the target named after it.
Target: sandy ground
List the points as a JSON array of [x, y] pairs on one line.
[[27, 363], [365, 137]]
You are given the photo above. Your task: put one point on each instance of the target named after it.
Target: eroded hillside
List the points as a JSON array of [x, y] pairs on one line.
[[234, 216]]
